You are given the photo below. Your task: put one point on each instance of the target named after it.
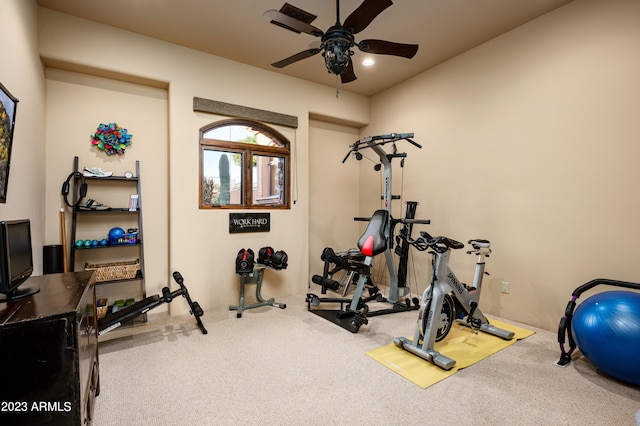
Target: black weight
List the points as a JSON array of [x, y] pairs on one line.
[[279, 260], [264, 255], [245, 261]]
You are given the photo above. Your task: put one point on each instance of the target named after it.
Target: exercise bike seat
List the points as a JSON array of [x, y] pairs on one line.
[[128, 313], [374, 241]]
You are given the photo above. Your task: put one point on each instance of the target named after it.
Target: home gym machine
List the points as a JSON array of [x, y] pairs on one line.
[[112, 321], [446, 300], [377, 239]]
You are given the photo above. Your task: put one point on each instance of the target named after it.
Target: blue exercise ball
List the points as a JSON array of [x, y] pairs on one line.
[[115, 234], [606, 329]]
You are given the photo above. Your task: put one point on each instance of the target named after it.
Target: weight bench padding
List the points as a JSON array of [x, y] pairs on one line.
[[129, 313], [373, 241]]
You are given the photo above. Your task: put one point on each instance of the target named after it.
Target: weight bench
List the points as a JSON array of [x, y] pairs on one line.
[[112, 321], [372, 243]]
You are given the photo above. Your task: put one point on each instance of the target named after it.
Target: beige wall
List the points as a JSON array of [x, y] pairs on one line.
[[333, 189], [76, 104], [199, 243], [21, 73], [531, 140]]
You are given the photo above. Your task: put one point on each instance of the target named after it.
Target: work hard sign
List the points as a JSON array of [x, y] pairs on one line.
[[249, 222]]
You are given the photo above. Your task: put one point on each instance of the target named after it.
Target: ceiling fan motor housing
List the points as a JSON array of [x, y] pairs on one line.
[[337, 44]]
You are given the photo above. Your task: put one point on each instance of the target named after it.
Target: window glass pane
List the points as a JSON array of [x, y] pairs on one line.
[[244, 165], [267, 176], [236, 133], [221, 178], [228, 133]]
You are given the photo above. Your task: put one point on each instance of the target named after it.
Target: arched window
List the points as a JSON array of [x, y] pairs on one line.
[[243, 164]]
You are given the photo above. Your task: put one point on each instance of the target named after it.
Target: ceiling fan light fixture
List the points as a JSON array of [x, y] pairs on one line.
[[337, 55]]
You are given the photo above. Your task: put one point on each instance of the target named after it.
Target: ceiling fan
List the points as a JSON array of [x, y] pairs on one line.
[[337, 42]]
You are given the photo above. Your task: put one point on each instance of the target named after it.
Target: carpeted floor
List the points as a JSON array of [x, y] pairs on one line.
[[291, 367]]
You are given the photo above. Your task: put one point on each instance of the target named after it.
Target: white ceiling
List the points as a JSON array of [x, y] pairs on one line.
[[235, 29]]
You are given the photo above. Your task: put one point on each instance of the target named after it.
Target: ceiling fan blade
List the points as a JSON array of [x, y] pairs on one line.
[[295, 58], [382, 47], [286, 20], [348, 75], [365, 14]]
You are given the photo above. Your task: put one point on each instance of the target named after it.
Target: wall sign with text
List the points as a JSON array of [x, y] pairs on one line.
[[249, 222]]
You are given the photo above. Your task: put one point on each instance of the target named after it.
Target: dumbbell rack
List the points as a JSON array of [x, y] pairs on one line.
[[254, 277]]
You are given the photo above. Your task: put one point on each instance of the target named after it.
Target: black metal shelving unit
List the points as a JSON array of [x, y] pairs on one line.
[[119, 183]]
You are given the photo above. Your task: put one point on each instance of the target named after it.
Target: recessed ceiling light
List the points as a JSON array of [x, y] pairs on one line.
[[367, 62]]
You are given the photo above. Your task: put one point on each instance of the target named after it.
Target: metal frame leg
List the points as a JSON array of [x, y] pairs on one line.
[[254, 278]]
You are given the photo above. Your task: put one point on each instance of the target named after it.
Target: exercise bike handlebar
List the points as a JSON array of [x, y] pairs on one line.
[[394, 221], [439, 244], [371, 141]]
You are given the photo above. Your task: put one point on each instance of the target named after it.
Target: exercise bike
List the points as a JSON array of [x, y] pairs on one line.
[[446, 300], [112, 321], [377, 239]]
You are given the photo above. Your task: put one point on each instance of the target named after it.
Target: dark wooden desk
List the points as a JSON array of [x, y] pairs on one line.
[[49, 371]]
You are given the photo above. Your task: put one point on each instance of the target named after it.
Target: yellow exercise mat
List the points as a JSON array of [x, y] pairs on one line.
[[461, 344]]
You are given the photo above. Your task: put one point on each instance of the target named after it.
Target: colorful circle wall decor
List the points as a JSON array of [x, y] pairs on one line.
[[111, 138]]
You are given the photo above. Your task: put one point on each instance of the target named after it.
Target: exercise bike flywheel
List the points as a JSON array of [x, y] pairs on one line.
[[447, 316]]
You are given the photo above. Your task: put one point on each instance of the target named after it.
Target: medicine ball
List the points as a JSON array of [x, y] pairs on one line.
[[115, 234], [245, 261]]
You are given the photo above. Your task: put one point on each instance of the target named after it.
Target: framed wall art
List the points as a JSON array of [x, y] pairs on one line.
[[8, 106]]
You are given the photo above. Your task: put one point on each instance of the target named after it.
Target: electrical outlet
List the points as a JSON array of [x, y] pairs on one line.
[[505, 287]]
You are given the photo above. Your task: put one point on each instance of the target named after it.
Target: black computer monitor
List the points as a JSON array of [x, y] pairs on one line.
[[16, 259]]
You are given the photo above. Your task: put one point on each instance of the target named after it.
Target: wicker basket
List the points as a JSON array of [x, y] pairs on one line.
[[101, 308], [114, 271]]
